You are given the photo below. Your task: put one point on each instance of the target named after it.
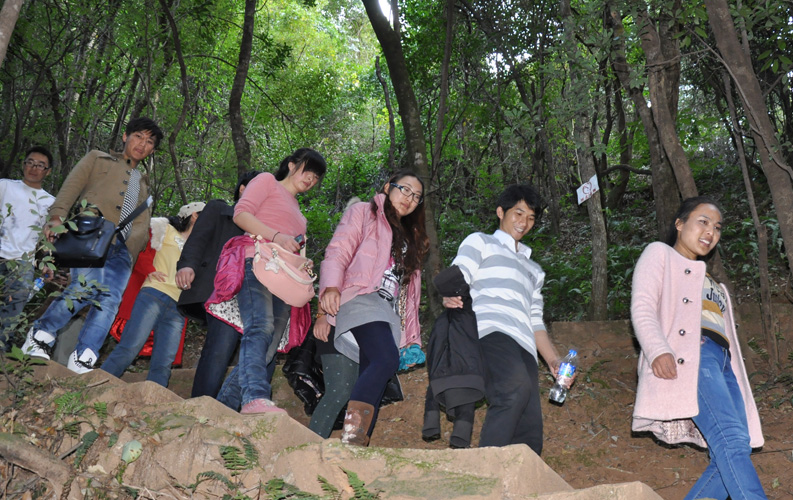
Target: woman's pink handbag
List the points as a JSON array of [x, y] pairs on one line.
[[288, 276]]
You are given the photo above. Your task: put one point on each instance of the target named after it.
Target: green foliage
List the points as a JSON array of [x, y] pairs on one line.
[[358, 487], [69, 404], [88, 440], [17, 369]]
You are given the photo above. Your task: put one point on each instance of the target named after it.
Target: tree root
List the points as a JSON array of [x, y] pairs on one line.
[[19, 452]]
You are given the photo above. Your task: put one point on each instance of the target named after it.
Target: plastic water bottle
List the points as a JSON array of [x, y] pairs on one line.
[[564, 378], [37, 285]]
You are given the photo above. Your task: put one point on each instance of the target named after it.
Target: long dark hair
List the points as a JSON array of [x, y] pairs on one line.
[[683, 213], [407, 231], [310, 160], [243, 181]]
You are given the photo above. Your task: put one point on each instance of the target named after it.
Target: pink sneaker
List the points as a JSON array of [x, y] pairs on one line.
[[260, 406]]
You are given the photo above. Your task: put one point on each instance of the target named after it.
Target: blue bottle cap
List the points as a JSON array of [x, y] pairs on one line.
[[573, 352]]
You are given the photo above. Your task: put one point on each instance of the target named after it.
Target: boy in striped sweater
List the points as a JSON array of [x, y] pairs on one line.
[[506, 291]]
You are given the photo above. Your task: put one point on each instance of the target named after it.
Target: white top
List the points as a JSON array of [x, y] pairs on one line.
[[505, 286], [23, 212]]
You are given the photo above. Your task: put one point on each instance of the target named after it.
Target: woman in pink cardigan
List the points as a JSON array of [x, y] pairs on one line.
[[693, 385], [370, 283]]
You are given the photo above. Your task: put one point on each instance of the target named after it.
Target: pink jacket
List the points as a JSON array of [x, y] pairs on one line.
[[666, 311], [357, 257]]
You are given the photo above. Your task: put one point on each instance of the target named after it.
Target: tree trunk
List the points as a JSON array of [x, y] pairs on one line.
[[665, 192], [8, 19], [663, 79], [391, 44], [739, 65], [444, 90], [185, 103], [583, 139], [241, 145], [391, 122], [767, 314]]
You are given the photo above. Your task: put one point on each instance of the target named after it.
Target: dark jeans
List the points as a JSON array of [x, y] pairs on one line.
[[219, 345], [512, 390]]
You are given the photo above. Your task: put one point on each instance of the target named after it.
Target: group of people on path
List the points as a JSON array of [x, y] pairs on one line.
[[692, 384]]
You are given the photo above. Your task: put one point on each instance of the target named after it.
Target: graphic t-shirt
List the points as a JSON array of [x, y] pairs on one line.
[[23, 212], [714, 303]]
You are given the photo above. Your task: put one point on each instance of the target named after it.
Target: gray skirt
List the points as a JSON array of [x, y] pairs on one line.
[[361, 310]]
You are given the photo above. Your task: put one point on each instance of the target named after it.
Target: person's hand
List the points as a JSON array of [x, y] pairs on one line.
[[664, 367], [287, 242], [322, 328], [331, 300], [53, 222], [158, 276], [47, 273], [554, 367], [453, 302], [184, 278]]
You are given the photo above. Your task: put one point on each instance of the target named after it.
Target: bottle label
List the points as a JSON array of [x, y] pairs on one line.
[[565, 376]]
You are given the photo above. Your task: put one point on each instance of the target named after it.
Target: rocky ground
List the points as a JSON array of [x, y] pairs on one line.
[[588, 441]]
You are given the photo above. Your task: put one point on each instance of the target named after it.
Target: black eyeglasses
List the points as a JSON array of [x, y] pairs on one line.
[[36, 164], [418, 198]]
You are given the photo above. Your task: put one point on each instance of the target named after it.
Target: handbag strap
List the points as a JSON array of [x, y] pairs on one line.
[[143, 206]]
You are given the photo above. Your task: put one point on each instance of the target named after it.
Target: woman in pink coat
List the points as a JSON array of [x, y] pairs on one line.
[[693, 385], [370, 283]]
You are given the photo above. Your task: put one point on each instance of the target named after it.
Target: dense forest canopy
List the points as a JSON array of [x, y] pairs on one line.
[[659, 99]]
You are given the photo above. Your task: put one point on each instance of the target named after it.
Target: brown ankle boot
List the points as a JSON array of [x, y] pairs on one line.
[[356, 423]]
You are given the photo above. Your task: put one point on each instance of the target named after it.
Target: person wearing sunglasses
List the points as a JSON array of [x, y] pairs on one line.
[[23, 208]]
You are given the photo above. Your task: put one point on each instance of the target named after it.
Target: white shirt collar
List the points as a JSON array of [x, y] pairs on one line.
[[507, 240]]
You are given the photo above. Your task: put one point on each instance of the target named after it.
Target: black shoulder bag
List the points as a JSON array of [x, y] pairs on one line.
[[88, 244]]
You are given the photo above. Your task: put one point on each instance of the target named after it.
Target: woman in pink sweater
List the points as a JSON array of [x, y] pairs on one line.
[[370, 283], [693, 385], [268, 208]]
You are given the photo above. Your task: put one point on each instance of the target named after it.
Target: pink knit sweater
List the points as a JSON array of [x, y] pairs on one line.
[[666, 311]]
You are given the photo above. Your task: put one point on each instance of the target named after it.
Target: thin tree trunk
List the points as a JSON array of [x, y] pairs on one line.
[[767, 313], [583, 139], [391, 123], [185, 103], [241, 145], [8, 19], [444, 90]]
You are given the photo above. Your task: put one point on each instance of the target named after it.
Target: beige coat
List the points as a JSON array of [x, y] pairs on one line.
[[666, 311], [101, 179]]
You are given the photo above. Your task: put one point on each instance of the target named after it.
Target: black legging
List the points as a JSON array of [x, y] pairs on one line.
[[379, 360]]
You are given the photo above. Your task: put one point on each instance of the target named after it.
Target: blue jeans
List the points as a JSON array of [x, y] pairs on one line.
[[219, 345], [153, 310], [114, 277], [722, 421], [14, 290], [264, 317]]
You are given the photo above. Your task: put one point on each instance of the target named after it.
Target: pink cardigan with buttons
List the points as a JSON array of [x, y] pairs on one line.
[[358, 255], [666, 312]]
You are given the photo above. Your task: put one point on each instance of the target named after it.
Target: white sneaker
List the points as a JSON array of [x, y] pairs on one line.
[[83, 363], [37, 344]]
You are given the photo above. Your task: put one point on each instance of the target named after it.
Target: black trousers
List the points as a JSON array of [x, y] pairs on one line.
[[514, 414]]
